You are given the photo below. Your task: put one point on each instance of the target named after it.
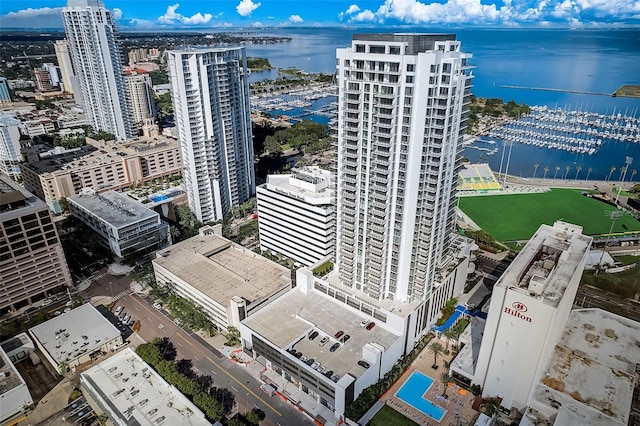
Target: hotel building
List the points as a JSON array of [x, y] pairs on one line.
[[140, 96], [95, 54], [10, 156], [57, 174], [296, 215], [210, 93], [32, 263]]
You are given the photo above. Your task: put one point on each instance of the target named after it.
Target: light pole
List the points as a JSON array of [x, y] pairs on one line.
[[111, 288], [613, 215]]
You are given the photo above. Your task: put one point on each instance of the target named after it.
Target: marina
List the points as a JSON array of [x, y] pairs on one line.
[[297, 103], [579, 132]]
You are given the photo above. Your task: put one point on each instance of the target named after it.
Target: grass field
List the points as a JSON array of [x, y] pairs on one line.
[[518, 216], [387, 416]]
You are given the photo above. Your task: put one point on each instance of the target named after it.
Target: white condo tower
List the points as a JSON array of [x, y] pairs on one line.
[[210, 93], [403, 102], [95, 55]]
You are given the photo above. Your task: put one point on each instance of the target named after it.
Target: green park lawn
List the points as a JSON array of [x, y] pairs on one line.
[[518, 216], [387, 416]]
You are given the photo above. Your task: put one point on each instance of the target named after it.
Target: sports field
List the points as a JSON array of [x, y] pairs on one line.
[[518, 216]]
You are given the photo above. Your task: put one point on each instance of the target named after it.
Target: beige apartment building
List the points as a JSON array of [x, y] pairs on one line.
[[101, 166]]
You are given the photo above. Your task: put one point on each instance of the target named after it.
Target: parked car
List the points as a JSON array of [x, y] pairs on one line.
[[345, 338], [315, 365], [47, 302], [126, 319], [178, 322], [364, 364], [157, 305], [119, 310], [364, 323], [334, 347], [297, 354], [339, 334], [310, 361], [321, 369], [324, 341], [313, 335], [335, 378], [303, 358], [371, 325], [328, 373]]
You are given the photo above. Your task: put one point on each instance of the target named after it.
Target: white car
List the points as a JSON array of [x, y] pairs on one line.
[[126, 319], [157, 305], [119, 310], [47, 302], [365, 323]]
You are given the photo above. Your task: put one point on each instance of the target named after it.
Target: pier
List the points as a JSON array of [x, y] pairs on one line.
[[548, 89]]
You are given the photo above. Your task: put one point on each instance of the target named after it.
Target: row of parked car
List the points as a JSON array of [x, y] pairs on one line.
[[123, 317]]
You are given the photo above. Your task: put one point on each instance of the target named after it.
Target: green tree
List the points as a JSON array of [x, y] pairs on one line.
[[63, 368], [436, 349], [102, 419], [445, 378], [490, 406], [233, 336], [252, 417]]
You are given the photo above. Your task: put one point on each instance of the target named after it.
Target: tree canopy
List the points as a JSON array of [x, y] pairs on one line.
[[307, 136]]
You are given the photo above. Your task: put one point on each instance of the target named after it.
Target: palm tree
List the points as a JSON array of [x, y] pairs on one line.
[[535, 169], [633, 172], [589, 170], [546, 169], [436, 349], [613, 169], [63, 367], [447, 366], [450, 334], [446, 379], [554, 176], [567, 172], [578, 169], [490, 406], [622, 170]]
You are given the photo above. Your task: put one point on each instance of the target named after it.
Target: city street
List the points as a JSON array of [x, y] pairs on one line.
[[206, 360]]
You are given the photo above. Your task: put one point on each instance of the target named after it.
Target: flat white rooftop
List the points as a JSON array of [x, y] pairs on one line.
[[115, 208], [311, 184], [287, 322], [221, 269], [133, 391], [547, 263], [75, 333], [591, 373]]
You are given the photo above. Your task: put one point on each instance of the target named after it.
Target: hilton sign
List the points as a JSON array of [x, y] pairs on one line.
[[518, 309]]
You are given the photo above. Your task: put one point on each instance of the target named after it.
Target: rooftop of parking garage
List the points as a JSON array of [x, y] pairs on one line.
[[288, 321]]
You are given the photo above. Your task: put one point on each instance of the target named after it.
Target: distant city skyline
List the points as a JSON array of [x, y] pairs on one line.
[[370, 13]]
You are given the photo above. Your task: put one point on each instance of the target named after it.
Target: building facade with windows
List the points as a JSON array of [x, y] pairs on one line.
[[96, 58], [57, 174], [10, 155], [296, 215], [210, 94], [403, 103], [123, 225], [5, 96], [140, 96], [32, 262], [66, 69]]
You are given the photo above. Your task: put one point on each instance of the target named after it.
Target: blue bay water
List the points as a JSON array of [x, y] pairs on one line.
[[585, 60]]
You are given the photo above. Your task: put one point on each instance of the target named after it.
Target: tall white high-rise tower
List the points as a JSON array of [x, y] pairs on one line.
[[210, 93], [403, 101], [95, 55]]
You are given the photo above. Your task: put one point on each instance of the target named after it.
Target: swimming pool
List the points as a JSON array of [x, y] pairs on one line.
[[158, 198], [413, 392]]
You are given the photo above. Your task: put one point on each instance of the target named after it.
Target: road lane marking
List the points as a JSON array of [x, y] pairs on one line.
[[234, 389], [246, 388]]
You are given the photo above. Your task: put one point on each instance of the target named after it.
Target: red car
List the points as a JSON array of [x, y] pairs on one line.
[[339, 334], [371, 325]]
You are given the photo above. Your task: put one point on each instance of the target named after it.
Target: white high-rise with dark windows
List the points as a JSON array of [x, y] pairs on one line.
[[95, 55], [403, 102], [210, 93]]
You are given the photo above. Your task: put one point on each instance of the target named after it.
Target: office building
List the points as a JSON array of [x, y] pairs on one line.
[[95, 55], [43, 80], [55, 74], [53, 174], [529, 307], [140, 96], [5, 96], [210, 93], [123, 225], [32, 263], [296, 215], [131, 392], [228, 281], [75, 337], [10, 155]]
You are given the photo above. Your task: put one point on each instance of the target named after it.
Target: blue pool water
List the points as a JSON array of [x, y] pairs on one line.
[[413, 393], [157, 198]]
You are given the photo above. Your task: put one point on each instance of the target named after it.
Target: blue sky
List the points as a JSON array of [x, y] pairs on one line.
[[158, 14]]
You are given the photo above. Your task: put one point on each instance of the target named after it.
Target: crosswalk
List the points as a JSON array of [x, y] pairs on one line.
[[121, 294], [97, 277]]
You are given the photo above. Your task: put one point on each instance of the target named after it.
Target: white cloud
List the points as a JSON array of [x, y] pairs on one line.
[[116, 13], [173, 17], [257, 25], [296, 19], [44, 17], [352, 9], [364, 16], [245, 7]]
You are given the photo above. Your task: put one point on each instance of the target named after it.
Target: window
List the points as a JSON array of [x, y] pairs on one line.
[[409, 79], [376, 49], [394, 50], [360, 48], [411, 67]]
